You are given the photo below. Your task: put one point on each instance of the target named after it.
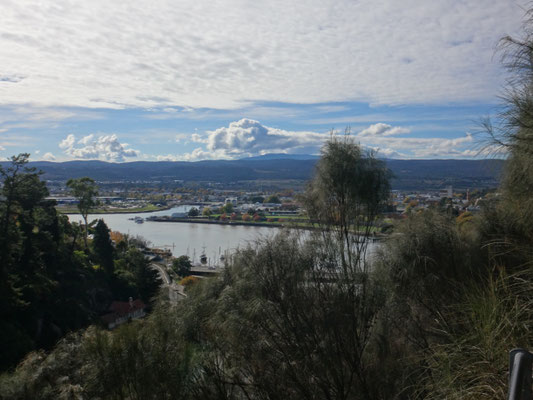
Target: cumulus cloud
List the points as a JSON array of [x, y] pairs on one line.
[[248, 136], [49, 156], [219, 54], [104, 147], [2, 148]]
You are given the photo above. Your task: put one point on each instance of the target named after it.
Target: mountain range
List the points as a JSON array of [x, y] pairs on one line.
[[408, 174]]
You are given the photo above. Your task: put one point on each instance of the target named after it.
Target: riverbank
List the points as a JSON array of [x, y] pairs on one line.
[[215, 222], [298, 225], [148, 209]]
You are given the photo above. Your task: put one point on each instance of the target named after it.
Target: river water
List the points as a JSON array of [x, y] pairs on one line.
[[184, 238]]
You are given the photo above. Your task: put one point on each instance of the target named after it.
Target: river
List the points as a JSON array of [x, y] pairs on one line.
[[183, 238]]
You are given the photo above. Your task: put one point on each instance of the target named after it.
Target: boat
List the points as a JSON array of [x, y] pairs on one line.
[[203, 257], [138, 220]]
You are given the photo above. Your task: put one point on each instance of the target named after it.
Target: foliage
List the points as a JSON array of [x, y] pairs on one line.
[[182, 266], [85, 191], [227, 208], [50, 283], [134, 277], [102, 247], [188, 281], [193, 212], [471, 362], [345, 198], [273, 199]]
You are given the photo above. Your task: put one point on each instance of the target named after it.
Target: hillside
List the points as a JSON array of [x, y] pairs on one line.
[[408, 174]]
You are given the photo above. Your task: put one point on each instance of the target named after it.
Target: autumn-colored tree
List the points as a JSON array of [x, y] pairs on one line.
[[189, 281]]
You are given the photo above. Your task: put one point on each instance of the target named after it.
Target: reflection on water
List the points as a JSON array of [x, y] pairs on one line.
[[183, 238]]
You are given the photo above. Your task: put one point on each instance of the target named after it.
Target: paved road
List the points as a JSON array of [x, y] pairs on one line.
[[175, 291]]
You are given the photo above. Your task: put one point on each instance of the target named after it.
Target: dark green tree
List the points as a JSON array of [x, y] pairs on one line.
[[193, 212], [182, 266], [103, 248], [272, 199], [135, 277]]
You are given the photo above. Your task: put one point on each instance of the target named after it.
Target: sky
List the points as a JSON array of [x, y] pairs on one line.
[[185, 80]]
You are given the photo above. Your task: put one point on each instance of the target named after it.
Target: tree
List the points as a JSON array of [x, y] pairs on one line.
[[182, 266], [345, 197], [135, 276], [103, 247], [227, 208], [274, 199], [207, 212], [85, 191], [193, 212]]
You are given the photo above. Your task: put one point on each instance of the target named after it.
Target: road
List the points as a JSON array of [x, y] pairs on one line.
[[175, 291]]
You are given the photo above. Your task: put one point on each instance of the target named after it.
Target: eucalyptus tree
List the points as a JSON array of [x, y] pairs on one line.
[[85, 191]]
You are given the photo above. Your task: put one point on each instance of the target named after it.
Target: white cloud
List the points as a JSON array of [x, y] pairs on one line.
[[2, 148], [487, 151], [198, 138], [387, 153], [388, 140], [197, 154], [68, 142], [223, 54], [104, 147], [48, 157], [249, 137], [381, 129]]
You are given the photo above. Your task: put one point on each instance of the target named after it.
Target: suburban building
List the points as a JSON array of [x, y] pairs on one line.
[[123, 311]]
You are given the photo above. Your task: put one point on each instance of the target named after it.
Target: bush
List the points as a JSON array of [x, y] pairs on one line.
[[188, 281]]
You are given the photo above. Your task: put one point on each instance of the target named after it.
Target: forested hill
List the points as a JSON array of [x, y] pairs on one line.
[[408, 174]]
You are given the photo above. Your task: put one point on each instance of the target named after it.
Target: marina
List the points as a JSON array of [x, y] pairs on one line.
[[193, 240]]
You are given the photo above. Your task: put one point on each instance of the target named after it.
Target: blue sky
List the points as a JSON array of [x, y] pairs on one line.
[[188, 80]]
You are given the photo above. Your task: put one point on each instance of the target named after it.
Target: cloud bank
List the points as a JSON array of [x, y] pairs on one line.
[[224, 54], [248, 137], [104, 147]]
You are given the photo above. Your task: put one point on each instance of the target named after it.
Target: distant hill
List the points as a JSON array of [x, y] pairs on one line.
[[282, 156], [408, 174]]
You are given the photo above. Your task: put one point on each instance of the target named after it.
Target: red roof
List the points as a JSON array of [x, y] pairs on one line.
[[122, 308]]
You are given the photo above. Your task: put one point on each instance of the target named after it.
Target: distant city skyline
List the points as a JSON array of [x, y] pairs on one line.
[[188, 80]]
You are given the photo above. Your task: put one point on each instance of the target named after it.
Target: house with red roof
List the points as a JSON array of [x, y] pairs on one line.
[[123, 311]]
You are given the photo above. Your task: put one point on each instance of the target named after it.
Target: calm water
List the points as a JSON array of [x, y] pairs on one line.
[[183, 238]]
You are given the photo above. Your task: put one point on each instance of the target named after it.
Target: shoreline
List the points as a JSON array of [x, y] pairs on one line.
[[213, 222], [374, 237], [123, 211]]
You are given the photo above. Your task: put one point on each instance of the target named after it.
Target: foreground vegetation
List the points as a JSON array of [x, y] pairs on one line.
[[52, 279], [432, 315]]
